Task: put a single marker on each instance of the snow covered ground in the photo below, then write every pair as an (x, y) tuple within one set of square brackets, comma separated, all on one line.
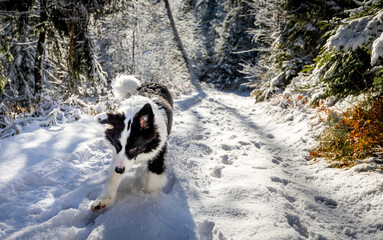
[(236, 170)]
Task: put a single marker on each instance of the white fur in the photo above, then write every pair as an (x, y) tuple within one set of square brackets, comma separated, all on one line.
[(108, 194), (155, 182), (125, 85), (121, 160)]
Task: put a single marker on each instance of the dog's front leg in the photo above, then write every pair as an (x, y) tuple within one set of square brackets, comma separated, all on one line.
[(156, 178), (109, 192)]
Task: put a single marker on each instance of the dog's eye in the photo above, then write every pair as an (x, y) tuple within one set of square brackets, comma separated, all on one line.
[(132, 150)]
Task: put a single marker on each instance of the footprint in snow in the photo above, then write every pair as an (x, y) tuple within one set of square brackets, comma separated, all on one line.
[(272, 189), (326, 201), (225, 160), (289, 198), (233, 136), (276, 160), (296, 224), (260, 168), (256, 144), (226, 147), (205, 229), (197, 137), (217, 172), (280, 180), (243, 143), (271, 136)]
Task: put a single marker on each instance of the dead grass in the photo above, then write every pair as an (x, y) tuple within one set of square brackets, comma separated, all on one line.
[(355, 134)]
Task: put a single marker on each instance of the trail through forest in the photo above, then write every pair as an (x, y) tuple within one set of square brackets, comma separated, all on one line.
[(236, 170)]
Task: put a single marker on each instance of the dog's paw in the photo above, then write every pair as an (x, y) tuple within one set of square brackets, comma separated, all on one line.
[(100, 203)]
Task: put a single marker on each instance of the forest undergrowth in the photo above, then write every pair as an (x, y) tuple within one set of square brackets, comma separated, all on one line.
[(351, 135)]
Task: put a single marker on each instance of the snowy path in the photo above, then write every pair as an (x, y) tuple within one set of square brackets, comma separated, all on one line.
[(236, 170)]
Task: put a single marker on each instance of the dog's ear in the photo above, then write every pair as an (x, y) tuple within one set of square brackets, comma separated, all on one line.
[(112, 118), (146, 117)]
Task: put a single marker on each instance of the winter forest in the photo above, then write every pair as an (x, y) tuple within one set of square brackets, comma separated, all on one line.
[(278, 118)]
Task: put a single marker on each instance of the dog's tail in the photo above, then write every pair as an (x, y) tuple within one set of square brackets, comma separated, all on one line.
[(125, 85)]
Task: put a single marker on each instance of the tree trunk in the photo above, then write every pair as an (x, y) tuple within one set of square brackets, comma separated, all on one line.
[(39, 52), (134, 42), (70, 54), (177, 38), (38, 61), (70, 60)]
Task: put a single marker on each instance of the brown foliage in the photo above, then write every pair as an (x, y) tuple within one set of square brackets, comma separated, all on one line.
[(354, 134)]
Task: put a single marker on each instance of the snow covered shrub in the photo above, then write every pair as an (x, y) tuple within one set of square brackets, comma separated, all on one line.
[(345, 73), (303, 23), (350, 63), (301, 35), (51, 112), (354, 134)]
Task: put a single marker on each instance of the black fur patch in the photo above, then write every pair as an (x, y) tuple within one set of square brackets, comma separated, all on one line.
[(142, 139), (157, 165), (113, 133), (129, 123), (155, 90)]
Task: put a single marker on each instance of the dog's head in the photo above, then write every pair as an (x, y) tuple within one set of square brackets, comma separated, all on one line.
[(131, 133)]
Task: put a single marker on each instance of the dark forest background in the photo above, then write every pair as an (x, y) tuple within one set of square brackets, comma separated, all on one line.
[(55, 49)]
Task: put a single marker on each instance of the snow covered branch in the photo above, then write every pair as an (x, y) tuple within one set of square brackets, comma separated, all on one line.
[(365, 31)]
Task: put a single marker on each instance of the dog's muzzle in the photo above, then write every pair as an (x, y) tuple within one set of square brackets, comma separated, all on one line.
[(120, 170)]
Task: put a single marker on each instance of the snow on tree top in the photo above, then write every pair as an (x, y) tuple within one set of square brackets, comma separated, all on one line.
[(365, 31)]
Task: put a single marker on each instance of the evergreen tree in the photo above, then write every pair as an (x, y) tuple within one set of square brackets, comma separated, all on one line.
[(18, 65), (48, 46), (268, 19), (224, 26), (301, 35), (300, 38), (208, 12), (350, 63)]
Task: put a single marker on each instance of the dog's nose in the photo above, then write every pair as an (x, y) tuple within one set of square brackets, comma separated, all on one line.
[(120, 170)]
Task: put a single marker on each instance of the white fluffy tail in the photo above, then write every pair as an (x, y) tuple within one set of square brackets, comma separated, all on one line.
[(125, 85)]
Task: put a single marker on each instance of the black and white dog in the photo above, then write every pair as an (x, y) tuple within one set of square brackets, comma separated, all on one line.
[(137, 132)]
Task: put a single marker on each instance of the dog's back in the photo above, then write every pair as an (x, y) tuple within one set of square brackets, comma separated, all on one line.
[(155, 90), (161, 96)]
